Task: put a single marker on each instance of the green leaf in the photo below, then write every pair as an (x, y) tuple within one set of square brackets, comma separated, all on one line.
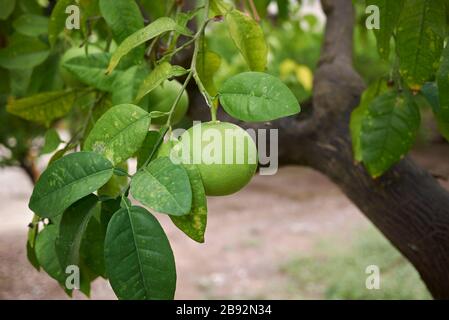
[(23, 53), (86, 277), (100, 108), (31, 25), (46, 253), (46, 76), (283, 8), (248, 38), (117, 184), (157, 76), (147, 147), (139, 259), (194, 224), (207, 64), (67, 180), (43, 107), (71, 230), (47, 256), (31, 243), (127, 84), (30, 6), (124, 18), (20, 80), (152, 30), (182, 19), (57, 20), (6, 8), (92, 245), (158, 114), (419, 41), (164, 187), (119, 133), (155, 9), (31, 256), (388, 131), (219, 7), (389, 12), (443, 86), (91, 70), (108, 208), (52, 141), (359, 113), (256, 96)]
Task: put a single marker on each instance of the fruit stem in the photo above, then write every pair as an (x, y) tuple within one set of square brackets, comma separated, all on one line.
[(213, 110)]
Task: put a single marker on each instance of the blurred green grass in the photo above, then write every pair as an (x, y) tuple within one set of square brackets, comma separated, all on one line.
[(336, 270)]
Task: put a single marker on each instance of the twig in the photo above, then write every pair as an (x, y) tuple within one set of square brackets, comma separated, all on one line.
[(254, 10)]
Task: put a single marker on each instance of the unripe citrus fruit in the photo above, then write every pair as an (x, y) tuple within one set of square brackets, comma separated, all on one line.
[(224, 153), (162, 98)]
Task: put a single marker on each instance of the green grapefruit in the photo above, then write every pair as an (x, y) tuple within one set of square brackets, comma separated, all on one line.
[(224, 153)]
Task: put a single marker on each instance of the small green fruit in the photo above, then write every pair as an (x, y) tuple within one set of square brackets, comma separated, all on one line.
[(162, 98), (226, 165)]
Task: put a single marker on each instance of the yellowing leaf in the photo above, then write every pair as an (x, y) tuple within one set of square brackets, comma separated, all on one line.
[(194, 223), (119, 133), (302, 73), (304, 76), (43, 107), (123, 18), (287, 67), (208, 63)]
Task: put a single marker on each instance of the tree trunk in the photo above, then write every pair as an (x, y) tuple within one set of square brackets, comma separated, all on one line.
[(406, 204)]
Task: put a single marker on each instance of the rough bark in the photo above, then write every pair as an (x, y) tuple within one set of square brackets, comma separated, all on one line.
[(406, 204)]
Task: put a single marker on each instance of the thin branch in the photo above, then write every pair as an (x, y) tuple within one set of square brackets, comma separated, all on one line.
[(254, 10)]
